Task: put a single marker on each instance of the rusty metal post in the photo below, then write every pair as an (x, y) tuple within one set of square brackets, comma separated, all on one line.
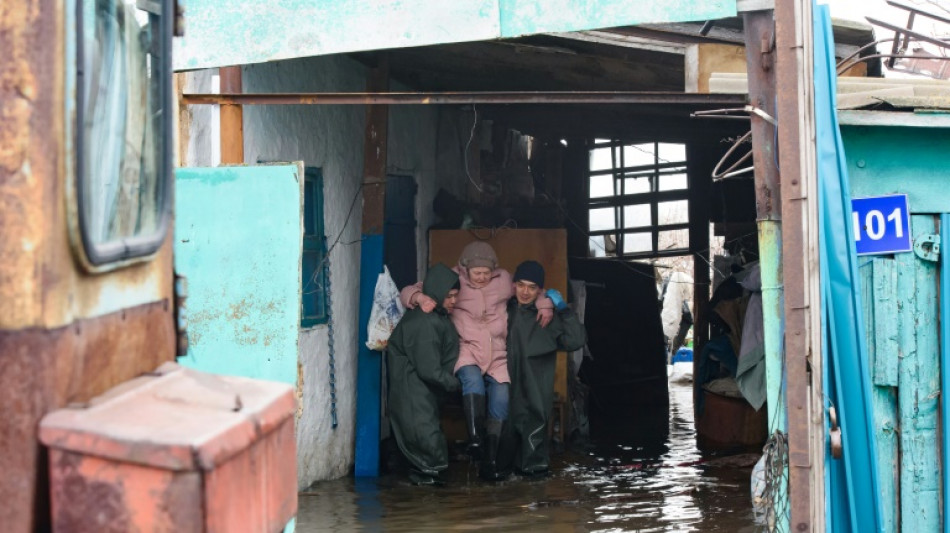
[(232, 119), (795, 109), (760, 60), (369, 363)]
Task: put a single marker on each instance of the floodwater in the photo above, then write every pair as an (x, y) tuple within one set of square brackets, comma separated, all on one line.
[(609, 488)]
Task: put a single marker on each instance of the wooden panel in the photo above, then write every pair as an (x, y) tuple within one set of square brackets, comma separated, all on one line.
[(704, 59), (232, 119), (919, 387), (546, 246), (879, 286)]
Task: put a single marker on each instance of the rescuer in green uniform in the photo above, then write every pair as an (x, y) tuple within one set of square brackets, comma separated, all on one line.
[(422, 353), (532, 356)]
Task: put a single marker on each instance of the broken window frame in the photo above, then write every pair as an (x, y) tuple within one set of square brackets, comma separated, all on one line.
[(655, 172)]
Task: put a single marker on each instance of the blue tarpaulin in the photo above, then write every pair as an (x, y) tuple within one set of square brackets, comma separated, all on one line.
[(852, 499)]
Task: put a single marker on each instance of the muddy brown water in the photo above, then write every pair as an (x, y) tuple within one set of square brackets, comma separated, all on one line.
[(609, 488)]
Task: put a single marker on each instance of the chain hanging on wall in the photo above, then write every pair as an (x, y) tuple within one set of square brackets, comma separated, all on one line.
[(329, 307)]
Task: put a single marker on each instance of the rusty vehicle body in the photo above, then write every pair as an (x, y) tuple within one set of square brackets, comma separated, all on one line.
[(69, 328)]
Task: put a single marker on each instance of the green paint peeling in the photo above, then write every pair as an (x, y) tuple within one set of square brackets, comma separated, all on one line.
[(254, 31)]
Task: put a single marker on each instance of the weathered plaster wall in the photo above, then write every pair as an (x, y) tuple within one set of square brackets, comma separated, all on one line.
[(330, 138)]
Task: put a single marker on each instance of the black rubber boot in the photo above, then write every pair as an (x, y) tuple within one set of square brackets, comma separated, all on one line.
[(489, 470), (473, 406), (418, 477)]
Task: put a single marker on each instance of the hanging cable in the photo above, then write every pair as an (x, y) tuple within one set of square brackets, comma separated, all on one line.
[(465, 152)]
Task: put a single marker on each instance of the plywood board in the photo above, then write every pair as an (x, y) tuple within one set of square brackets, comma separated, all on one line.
[(546, 246)]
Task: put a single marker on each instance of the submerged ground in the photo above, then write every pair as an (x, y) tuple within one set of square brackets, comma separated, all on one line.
[(610, 487)]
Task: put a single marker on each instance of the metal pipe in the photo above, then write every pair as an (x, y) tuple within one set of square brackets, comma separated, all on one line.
[(504, 97), (773, 300)]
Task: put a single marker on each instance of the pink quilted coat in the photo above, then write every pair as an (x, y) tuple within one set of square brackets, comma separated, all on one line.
[(481, 319)]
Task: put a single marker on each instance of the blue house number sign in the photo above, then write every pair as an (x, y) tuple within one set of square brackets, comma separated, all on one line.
[(881, 224)]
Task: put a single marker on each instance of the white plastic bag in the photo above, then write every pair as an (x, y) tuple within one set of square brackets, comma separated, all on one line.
[(386, 312), (760, 504)]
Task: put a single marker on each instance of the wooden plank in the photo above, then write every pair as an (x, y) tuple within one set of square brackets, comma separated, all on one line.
[(879, 285), (374, 153), (232, 119), (918, 389), (883, 344), (704, 59)]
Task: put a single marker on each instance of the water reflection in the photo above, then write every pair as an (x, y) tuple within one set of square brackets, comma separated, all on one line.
[(613, 487)]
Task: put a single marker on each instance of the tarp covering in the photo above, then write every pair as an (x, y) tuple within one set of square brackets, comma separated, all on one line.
[(852, 480), (254, 31)]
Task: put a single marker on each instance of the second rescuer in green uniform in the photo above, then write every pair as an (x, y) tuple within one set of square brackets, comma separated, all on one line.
[(422, 353), (532, 356)]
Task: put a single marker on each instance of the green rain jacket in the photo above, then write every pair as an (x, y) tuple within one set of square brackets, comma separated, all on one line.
[(422, 352), (532, 357)]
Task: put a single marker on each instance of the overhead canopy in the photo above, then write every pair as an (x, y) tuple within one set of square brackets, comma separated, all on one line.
[(254, 31)]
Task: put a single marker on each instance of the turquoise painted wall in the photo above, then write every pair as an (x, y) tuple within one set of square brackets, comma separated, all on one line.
[(238, 241), (255, 31), (900, 159), (901, 311)]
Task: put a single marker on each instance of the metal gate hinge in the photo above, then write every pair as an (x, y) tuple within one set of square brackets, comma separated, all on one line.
[(927, 247)]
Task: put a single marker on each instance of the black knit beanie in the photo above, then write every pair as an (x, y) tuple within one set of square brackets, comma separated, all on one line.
[(530, 271)]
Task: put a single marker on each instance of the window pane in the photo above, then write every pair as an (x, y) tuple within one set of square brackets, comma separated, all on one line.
[(308, 219), (602, 219), (673, 212), (600, 159), (671, 152), (669, 240), (121, 186), (637, 155), (637, 242), (673, 182), (636, 216), (597, 246), (601, 186), (313, 285), (636, 185)]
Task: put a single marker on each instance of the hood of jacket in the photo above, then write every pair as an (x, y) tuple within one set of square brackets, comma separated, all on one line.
[(439, 281)]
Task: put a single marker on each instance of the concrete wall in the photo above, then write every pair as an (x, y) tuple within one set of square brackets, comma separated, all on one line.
[(331, 137)]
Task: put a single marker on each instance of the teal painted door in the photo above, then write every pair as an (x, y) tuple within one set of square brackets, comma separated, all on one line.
[(238, 241), (902, 301)]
